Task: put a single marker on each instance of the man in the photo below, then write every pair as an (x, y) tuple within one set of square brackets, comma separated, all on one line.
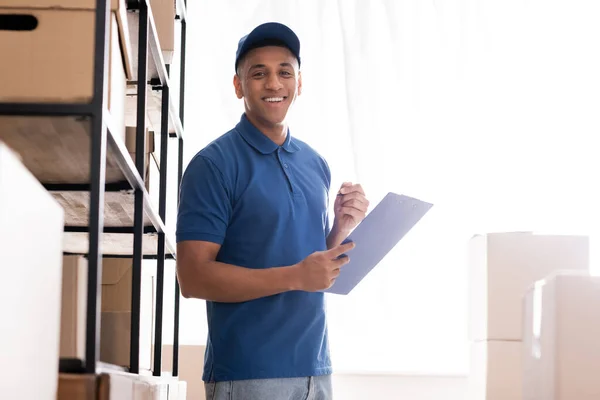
[(253, 237)]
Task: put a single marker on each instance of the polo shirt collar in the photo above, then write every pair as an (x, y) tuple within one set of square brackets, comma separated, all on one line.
[(260, 141)]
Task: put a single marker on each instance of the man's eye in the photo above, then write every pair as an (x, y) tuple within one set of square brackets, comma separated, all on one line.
[(286, 73), (258, 74)]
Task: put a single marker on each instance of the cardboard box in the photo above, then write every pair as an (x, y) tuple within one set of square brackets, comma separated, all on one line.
[(495, 370), (52, 60), (117, 7), (116, 313), (152, 391), (31, 234), (191, 365), (73, 310), (164, 17), (501, 268), (152, 171), (117, 276), (78, 387), (562, 337), (105, 386), (130, 140), (178, 390), (154, 387)]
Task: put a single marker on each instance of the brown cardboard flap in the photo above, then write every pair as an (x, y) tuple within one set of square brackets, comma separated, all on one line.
[(157, 149), (116, 284), (105, 386), (115, 335), (73, 307), (130, 138), (115, 328), (115, 269), (164, 18), (77, 387), (125, 39)]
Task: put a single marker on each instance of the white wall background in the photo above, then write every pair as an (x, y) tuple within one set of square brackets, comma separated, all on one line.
[(489, 109)]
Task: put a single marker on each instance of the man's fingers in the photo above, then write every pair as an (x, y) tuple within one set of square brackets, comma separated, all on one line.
[(357, 204), (357, 214), (345, 189), (339, 263), (354, 196), (343, 186), (339, 250)]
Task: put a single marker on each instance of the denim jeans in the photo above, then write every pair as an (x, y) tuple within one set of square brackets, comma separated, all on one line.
[(310, 388)]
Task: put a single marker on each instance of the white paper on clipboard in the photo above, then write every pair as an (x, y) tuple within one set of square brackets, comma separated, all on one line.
[(376, 235)]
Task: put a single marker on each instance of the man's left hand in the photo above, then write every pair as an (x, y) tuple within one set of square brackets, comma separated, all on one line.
[(350, 207)]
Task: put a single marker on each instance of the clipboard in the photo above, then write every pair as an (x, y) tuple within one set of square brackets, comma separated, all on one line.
[(376, 235)]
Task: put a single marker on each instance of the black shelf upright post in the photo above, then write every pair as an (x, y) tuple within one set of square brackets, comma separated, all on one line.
[(162, 211), (179, 176), (97, 180), (140, 149)]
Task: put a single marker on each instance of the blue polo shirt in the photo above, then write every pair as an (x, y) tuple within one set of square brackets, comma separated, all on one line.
[(266, 205)]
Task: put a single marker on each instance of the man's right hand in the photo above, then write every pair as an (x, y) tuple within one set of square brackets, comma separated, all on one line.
[(319, 270)]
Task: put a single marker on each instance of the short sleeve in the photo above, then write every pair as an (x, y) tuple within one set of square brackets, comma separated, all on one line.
[(204, 203)]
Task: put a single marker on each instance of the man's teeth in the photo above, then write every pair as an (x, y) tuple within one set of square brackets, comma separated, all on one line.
[(274, 99)]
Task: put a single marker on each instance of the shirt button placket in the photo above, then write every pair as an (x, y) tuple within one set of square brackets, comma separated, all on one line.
[(286, 167)]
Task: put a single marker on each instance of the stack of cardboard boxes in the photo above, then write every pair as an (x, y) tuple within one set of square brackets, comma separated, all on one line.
[(561, 337), (115, 311), (117, 274), (502, 267), (50, 48)]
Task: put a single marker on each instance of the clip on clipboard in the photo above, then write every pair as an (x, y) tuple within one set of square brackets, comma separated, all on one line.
[(376, 235)]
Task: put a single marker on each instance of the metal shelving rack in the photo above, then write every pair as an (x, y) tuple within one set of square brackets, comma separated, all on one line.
[(103, 142)]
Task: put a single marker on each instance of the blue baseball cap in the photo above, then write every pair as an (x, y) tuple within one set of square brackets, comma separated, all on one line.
[(268, 34)]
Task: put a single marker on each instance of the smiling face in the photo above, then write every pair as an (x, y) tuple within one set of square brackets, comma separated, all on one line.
[(269, 81)]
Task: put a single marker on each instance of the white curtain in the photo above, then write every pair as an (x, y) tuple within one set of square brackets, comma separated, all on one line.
[(487, 108)]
